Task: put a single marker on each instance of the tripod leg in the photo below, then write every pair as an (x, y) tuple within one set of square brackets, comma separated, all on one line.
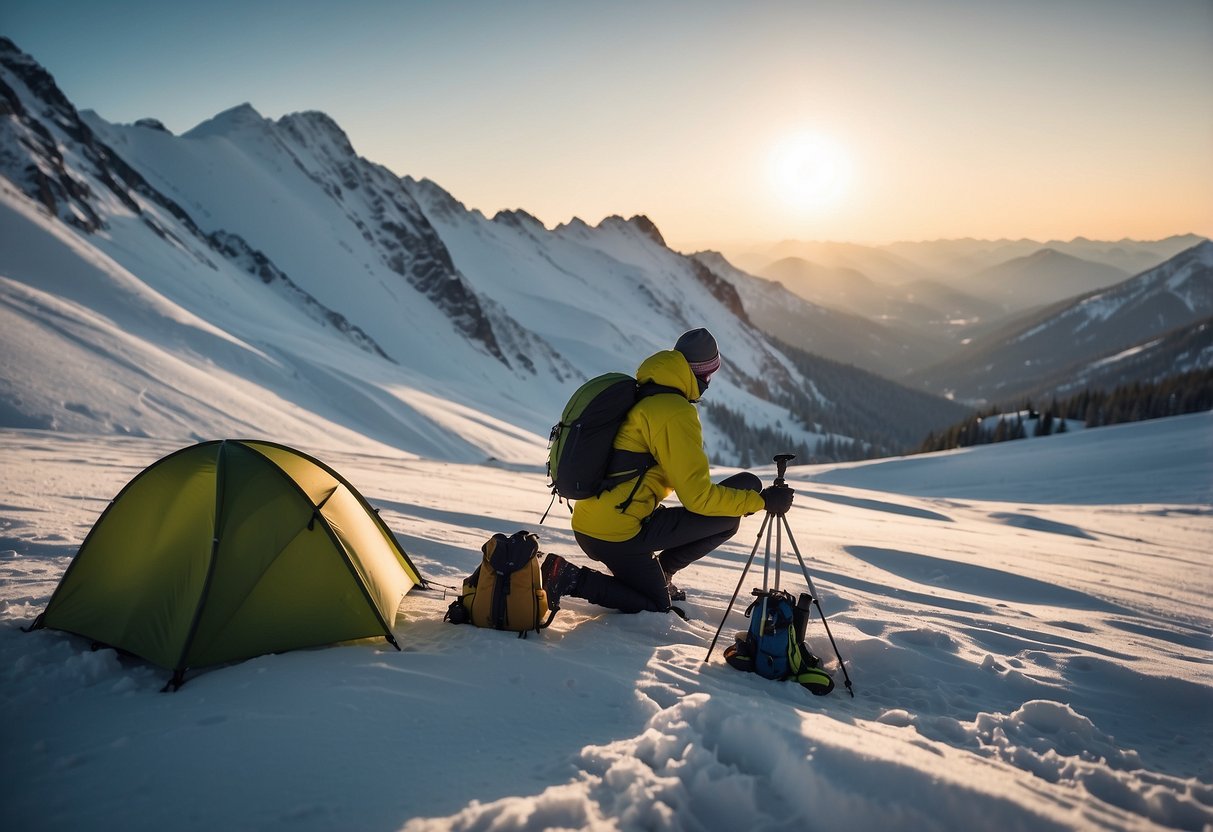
[(779, 547), (766, 568), (813, 592), (766, 564), (804, 569), (765, 521)]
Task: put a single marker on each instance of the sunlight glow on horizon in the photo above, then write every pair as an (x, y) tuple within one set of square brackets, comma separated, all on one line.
[(916, 121)]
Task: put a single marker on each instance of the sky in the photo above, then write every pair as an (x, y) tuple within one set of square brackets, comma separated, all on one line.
[(726, 123)]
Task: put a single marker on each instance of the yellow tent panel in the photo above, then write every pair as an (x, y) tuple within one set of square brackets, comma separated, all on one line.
[(230, 549)]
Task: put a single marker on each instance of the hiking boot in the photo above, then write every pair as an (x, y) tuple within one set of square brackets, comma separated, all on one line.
[(676, 594), (560, 578)]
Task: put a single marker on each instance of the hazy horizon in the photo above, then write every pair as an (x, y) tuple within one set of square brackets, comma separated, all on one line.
[(873, 122), (770, 243)]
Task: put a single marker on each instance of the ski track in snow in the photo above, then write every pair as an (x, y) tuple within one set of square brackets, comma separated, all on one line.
[(1035, 663)]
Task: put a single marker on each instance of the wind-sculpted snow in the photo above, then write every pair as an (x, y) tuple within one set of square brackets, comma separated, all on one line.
[(1019, 664)]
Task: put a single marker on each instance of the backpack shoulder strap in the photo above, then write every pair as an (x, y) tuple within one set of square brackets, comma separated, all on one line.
[(652, 388), (635, 463)]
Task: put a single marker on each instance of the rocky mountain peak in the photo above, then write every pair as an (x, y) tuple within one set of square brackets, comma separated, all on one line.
[(519, 219), (639, 222), (313, 126), (153, 124), (236, 119), (33, 76)]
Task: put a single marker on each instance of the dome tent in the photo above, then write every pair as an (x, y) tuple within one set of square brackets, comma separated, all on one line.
[(229, 549)]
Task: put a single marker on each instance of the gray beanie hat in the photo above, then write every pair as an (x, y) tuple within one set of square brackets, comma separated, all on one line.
[(700, 350)]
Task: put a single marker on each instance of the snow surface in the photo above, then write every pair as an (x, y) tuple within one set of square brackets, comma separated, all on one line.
[(1027, 627)]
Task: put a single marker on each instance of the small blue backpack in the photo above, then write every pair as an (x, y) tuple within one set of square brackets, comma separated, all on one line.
[(774, 646)]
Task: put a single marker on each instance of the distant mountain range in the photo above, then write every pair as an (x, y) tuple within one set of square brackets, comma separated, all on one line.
[(833, 330), (1153, 323), (1042, 277), (988, 306), (960, 258), (949, 260), (957, 287), (924, 307)]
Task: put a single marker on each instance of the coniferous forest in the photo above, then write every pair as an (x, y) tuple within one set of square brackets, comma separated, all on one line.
[(1189, 392), (858, 414)]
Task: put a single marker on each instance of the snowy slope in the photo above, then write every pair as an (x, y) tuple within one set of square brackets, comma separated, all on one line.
[(1027, 630), (413, 327), (343, 227), (88, 347), (1182, 350)]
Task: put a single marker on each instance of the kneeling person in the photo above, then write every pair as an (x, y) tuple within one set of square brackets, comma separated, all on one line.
[(642, 543)]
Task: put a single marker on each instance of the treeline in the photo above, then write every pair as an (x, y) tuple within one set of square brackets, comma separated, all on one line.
[(876, 416), (1190, 392), (857, 415), (754, 445)]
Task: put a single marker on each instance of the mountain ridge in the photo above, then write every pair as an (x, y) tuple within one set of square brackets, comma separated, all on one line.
[(1071, 335), (473, 327), (448, 334)]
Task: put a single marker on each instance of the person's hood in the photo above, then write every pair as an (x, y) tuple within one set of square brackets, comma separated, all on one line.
[(669, 368)]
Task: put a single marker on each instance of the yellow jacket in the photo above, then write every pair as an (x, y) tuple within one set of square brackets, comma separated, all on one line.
[(666, 426)]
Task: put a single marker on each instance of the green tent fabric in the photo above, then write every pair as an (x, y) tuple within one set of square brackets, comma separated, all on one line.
[(230, 549)]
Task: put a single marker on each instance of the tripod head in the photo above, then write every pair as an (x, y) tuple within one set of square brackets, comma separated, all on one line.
[(781, 466)]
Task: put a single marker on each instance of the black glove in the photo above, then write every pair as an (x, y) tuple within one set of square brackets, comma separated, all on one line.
[(778, 499)]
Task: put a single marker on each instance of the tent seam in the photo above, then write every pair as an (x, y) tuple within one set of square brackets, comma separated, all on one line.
[(328, 529), (370, 510), (84, 543), (210, 569)]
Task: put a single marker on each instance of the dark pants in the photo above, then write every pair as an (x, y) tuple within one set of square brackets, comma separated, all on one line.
[(639, 577)]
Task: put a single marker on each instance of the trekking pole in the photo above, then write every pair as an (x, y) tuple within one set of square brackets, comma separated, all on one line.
[(758, 539), (813, 595)]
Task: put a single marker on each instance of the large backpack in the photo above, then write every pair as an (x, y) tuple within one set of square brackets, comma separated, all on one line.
[(774, 646), (506, 591), (582, 461)]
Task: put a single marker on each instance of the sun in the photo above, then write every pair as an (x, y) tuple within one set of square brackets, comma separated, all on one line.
[(810, 171)]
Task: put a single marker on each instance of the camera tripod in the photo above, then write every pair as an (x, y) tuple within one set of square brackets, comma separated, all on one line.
[(779, 526)]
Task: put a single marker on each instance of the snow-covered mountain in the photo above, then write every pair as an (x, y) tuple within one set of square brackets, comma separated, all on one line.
[(1072, 340), (1182, 350), (310, 292)]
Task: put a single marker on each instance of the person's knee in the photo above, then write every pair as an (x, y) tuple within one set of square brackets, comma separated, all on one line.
[(744, 480)]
